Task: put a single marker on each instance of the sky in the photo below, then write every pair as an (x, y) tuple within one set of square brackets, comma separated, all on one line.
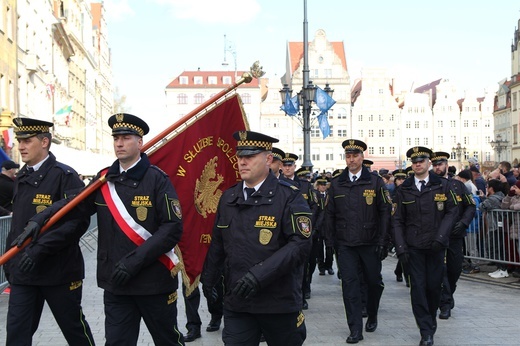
[(154, 41)]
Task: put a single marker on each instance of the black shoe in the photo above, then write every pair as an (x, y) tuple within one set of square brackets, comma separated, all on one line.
[(445, 313), (330, 271), (355, 337), (214, 324), (193, 334), (398, 278), (307, 295), (364, 312), (322, 271), (426, 341), (371, 325), (305, 305)]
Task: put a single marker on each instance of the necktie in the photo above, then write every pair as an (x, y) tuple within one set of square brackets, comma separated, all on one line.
[(30, 170), (354, 178), (423, 184), (249, 191)]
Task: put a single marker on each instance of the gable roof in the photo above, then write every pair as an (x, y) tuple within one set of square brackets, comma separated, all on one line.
[(205, 75)]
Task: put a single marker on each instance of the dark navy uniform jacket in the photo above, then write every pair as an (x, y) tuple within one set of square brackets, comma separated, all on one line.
[(422, 217), (143, 186), (269, 235), (57, 253), (357, 213), (465, 204)]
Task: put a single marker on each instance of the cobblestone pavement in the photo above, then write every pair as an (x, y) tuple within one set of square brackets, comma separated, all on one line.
[(487, 312)]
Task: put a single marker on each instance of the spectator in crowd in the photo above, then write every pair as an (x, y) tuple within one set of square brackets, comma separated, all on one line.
[(495, 236), (467, 178), (478, 180), (473, 162), (516, 172), (452, 170), (276, 166), (9, 169), (505, 169), (512, 202)]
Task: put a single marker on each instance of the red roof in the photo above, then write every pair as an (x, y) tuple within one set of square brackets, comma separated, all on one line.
[(296, 54), (219, 84)]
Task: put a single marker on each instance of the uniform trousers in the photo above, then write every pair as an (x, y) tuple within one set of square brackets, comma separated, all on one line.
[(244, 329), (454, 259), (25, 310), (325, 255), (426, 271), (192, 303), (123, 317), (350, 259), (310, 266)]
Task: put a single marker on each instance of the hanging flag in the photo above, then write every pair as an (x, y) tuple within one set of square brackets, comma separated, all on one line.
[(3, 156), (323, 122), (201, 162), (323, 100), (62, 116), (8, 137), (291, 106)]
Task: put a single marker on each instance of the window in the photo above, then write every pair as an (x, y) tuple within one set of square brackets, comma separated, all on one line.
[(360, 133), (381, 91), (183, 80), (182, 99), (416, 124), (440, 139), (408, 141), (370, 133), (440, 123), (488, 156), (380, 117), (475, 123), (487, 139), (371, 150), (453, 123), (425, 125), (466, 123), (475, 155), (342, 114), (381, 133), (391, 117), (466, 140), (342, 133), (329, 157), (226, 80), (331, 134), (360, 117), (453, 139), (212, 80), (392, 133), (328, 73), (315, 131), (416, 141), (453, 156), (371, 117), (197, 80), (408, 124), (515, 133), (315, 157), (425, 141), (392, 150), (381, 150), (198, 98), (246, 98)]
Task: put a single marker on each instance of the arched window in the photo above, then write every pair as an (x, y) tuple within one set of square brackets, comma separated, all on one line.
[(246, 98), (198, 98), (182, 99)]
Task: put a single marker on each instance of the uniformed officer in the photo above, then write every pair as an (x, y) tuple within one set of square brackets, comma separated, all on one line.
[(368, 164), (261, 238), (399, 176), (139, 223), (357, 222), (424, 217), (308, 193), (51, 268), (454, 253), (325, 253), (276, 166)]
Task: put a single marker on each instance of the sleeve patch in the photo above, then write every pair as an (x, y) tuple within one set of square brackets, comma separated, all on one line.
[(176, 207), (303, 223)]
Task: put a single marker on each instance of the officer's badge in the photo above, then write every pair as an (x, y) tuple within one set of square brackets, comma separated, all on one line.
[(265, 236), (369, 196), (304, 225), (440, 206), (40, 208), (387, 196), (172, 298), (142, 213), (176, 207)]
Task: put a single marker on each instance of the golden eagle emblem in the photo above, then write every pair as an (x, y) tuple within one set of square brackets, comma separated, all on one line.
[(207, 193)]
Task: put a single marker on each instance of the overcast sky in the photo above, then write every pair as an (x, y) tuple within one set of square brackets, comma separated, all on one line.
[(153, 41)]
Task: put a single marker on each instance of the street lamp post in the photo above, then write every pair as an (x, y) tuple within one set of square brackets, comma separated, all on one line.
[(306, 96), (459, 150), (499, 144)]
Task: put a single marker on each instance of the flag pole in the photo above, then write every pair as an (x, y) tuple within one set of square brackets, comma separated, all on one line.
[(247, 77)]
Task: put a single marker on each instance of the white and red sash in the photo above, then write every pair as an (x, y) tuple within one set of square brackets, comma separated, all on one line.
[(134, 231)]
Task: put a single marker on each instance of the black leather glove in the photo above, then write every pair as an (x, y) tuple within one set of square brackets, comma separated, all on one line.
[(211, 293), (247, 286), (436, 246), (404, 258), (32, 229), (459, 229), (121, 275), (26, 263), (382, 252)]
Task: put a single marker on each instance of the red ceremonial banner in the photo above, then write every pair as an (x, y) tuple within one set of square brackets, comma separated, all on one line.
[(201, 162)]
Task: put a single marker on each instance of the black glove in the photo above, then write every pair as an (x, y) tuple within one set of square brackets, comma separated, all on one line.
[(247, 286), (121, 275), (26, 263), (404, 258), (436, 246), (382, 252), (211, 293), (459, 229), (32, 229)]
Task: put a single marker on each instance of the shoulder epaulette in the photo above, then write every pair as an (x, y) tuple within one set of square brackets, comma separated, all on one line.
[(286, 183), (66, 169), (160, 170)]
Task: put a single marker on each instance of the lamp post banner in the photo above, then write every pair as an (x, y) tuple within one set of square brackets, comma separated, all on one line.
[(201, 162)]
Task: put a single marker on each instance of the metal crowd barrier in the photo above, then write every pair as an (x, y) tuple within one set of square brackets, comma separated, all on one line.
[(493, 236), (5, 226)]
